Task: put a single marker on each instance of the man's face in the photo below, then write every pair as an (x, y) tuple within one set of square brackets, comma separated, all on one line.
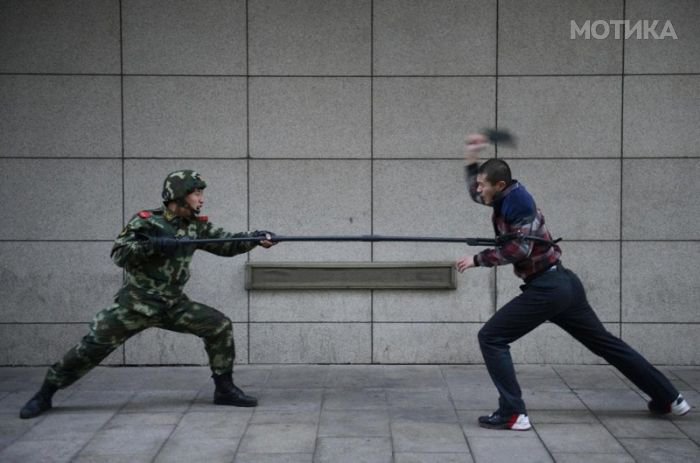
[(488, 190), (195, 200)]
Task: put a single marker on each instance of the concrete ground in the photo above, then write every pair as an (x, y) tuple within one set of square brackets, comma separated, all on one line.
[(344, 414)]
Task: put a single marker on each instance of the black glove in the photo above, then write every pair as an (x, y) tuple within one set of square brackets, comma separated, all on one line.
[(164, 245), (264, 233)]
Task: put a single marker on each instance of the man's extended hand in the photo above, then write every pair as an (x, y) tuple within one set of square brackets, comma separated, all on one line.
[(465, 263), (474, 143)]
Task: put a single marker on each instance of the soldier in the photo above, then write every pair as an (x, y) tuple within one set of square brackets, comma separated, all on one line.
[(157, 268)]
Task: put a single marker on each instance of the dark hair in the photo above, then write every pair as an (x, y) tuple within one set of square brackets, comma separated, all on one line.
[(496, 170)]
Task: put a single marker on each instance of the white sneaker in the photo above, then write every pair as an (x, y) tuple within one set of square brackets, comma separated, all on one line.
[(678, 407), (515, 422)]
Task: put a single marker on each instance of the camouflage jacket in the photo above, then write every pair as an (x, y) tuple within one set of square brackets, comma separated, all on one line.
[(153, 273)]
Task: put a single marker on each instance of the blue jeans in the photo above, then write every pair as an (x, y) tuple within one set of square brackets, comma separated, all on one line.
[(559, 297)]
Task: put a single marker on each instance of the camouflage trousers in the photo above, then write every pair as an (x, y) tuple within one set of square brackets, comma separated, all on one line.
[(133, 313)]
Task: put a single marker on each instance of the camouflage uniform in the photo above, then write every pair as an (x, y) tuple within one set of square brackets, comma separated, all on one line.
[(152, 295)]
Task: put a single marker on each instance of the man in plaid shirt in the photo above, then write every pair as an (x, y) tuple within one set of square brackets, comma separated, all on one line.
[(550, 293)]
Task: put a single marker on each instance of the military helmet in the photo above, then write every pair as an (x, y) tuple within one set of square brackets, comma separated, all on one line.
[(180, 183)]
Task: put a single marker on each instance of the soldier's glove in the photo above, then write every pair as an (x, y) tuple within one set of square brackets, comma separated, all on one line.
[(263, 233), (163, 245)]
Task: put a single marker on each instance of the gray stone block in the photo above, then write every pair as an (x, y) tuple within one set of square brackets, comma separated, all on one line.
[(412, 376), (674, 97), (592, 458), (52, 116), (161, 347), (552, 400), (580, 198), (578, 438), (596, 263), (615, 400), (409, 436), (86, 403), (309, 37), (310, 343), (274, 457), (281, 401), (535, 38), (141, 443), (78, 36), (66, 426), (428, 38), (426, 343), (310, 306), (354, 423), (681, 450), (355, 376), (561, 116), (298, 377), (279, 438), (664, 344), (641, 427), (42, 344), (309, 416), (216, 281), (550, 344), (409, 396), (127, 380), (650, 55), (205, 449), (181, 37), (35, 451), (417, 197), (354, 399), (471, 303), (353, 449), (311, 197), (310, 117), (80, 203), (659, 282), (160, 401), (589, 377), (657, 203), (433, 458), (540, 378), (185, 117), (429, 117), (508, 449), (56, 282)]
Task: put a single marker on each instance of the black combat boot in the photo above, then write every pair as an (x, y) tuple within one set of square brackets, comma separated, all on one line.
[(227, 393), (39, 403)]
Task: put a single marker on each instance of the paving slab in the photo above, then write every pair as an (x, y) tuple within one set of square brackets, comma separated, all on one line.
[(662, 450), (279, 438), (358, 413), (433, 458), (354, 423), (504, 449), (353, 450), (415, 436)]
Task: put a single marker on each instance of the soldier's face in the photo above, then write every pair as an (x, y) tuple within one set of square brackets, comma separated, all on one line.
[(195, 200)]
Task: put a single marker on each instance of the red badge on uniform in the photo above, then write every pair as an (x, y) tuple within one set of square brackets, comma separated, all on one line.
[(144, 214), (203, 218)]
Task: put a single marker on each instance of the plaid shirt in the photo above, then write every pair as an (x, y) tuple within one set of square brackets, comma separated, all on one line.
[(514, 211)]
